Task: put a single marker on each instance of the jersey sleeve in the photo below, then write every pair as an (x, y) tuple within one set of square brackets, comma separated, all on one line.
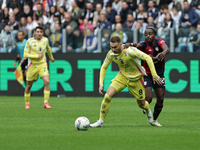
[(161, 42), (27, 51), (135, 53), (144, 45), (104, 67), (48, 48)]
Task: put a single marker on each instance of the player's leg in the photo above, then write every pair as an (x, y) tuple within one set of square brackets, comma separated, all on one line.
[(137, 89), (116, 86), (27, 94), (44, 74), (31, 76), (159, 103), (45, 79)]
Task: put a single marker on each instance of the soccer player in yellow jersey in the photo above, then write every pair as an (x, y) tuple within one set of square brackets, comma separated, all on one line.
[(37, 64), (130, 75)]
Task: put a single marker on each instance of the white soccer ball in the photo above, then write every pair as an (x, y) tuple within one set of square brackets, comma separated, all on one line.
[(82, 123)]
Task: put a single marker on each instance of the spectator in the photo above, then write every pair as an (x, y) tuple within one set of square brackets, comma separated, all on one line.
[(56, 19), (85, 26), (152, 11), (13, 3), (141, 13), (47, 32), (129, 22), (90, 42), (75, 11), (163, 10), (191, 44), (163, 2), (176, 4), (18, 14), (118, 19), (106, 40), (6, 40), (27, 11), (70, 37), (62, 14), (68, 4), (198, 31), (110, 13), (26, 2), (35, 5), (119, 32), (77, 40), (39, 13), (81, 4), (69, 22), (189, 17), (43, 22), (117, 6), (22, 24), (104, 24), (125, 10), (150, 20), (5, 15), (141, 21), (97, 13), (31, 24), (55, 38), (132, 4), (168, 21), (89, 12), (196, 5), (175, 16), (53, 10), (13, 23)]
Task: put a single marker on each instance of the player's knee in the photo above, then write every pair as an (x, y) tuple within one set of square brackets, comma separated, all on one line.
[(46, 82), (107, 98), (149, 98)]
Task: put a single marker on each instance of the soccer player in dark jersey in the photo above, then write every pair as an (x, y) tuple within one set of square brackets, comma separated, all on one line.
[(157, 49)]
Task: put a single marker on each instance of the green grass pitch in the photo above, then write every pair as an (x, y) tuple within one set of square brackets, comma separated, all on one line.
[(125, 127)]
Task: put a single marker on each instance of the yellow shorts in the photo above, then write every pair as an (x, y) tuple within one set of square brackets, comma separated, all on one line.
[(33, 72), (136, 88)]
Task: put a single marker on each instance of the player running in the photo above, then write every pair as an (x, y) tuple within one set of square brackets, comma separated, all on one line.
[(37, 65), (157, 49), (130, 75)]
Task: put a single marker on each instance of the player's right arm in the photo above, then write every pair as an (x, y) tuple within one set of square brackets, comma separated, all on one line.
[(103, 69), (27, 51)]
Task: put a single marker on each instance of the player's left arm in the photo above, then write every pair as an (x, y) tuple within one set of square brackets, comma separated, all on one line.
[(48, 48), (165, 51)]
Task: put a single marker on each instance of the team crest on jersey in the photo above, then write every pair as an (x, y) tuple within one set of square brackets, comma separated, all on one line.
[(40, 49), (116, 58), (156, 49)]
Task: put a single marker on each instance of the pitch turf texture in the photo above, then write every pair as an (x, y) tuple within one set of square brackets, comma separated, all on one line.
[(125, 128)]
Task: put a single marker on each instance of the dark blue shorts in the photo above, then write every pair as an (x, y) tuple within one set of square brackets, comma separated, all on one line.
[(148, 82)]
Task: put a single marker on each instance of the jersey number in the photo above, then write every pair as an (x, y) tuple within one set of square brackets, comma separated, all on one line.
[(140, 92)]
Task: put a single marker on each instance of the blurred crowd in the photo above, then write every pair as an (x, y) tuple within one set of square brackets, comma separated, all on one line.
[(88, 22)]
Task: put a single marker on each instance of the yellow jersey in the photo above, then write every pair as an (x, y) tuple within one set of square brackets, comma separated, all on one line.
[(129, 64), (35, 47)]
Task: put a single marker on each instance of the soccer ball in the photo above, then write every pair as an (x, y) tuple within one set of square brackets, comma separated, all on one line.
[(82, 123)]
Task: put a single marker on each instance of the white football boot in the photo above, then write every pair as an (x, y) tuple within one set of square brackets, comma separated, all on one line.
[(155, 123), (99, 123), (149, 116)]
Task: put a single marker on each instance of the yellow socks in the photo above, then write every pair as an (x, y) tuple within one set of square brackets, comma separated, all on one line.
[(146, 106), (105, 106), (27, 97), (46, 96)]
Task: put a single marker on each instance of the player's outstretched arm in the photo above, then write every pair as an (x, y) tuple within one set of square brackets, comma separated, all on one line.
[(48, 48), (161, 56)]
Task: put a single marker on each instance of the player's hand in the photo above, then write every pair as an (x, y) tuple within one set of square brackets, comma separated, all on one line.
[(100, 89), (157, 80), (14, 64), (160, 56), (40, 56), (52, 60)]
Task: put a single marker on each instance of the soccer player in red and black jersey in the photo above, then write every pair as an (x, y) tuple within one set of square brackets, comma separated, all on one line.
[(157, 49)]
